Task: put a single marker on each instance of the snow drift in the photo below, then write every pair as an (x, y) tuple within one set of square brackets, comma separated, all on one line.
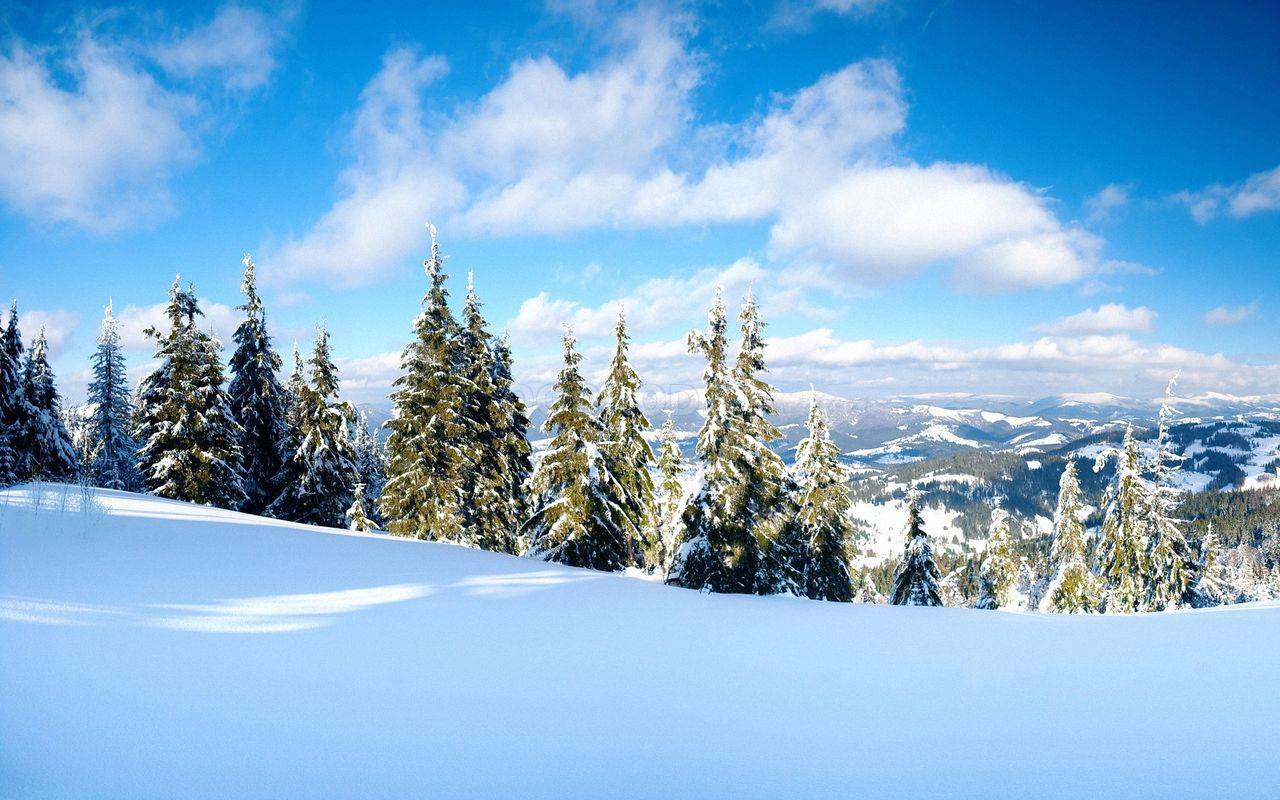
[(156, 649)]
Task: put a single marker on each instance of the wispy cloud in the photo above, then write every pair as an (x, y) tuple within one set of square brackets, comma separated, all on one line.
[(1230, 315), (1107, 202), (89, 136), (1258, 193)]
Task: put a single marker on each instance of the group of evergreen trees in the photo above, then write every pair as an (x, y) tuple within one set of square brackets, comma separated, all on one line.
[(457, 464), (34, 442)]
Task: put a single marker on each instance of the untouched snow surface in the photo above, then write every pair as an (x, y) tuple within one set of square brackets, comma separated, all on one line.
[(151, 649)]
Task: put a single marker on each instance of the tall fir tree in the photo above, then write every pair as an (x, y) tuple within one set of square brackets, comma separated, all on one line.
[(1000, 563), (488, 516), (1073, 589), (423, 493), (10, 396), (623, 426), (42, 443), (189, 439), (768, 493), (916, 581), (717, 551), (1124, 561), (257, 401), (324, 459), (670, 493), (1171, 563), (512, 428), (574, 520), (823, 514), (113, 453)]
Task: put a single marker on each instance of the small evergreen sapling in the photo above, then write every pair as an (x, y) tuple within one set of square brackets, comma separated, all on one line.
[(1000, 564), (1074, 589), (916, 581)]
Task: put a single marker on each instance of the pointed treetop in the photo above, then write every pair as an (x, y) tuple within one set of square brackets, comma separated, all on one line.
[(433, 263)]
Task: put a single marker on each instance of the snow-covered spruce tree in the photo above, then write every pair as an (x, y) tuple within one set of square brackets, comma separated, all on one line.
[(357, 518), (916, 581), (257, 401), (489, 520), (670, 495), (1000, 563), (113, 454), (864, 588), (717, 551), (188, 439), (573, 520), (766, 501), (43, 445), (371, 463), (1211, 584), (10, 396), (1074, 589), (324, 459), (512, 427), (623, 426), (1171, 564), (1123, 564), (422, 495), (823, 513)]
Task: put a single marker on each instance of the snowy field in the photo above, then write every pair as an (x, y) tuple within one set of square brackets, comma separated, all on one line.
[(152, 649)]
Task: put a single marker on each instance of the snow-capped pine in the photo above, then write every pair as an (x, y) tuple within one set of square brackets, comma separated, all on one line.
[(1171, 564), (574, 520), (422, 495), (357, 518), (823, 515), (1000, 563), (670, 494), (257, 401), (511, 428), (324, 459), (10, 393), (42, 443), (371, 463), (1073, 589), (189, 440), (1211, 586), (916, 581), (1123, 564), (488, 516), (113, 453), (623, 426)]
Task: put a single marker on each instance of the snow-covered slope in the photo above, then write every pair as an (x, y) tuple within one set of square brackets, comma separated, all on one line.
[(151, 649)]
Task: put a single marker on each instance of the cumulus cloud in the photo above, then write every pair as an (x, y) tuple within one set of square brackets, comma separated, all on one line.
[(620, 145), (89, 137), (1230, 315), (1107, 318), (1258, 193), (58, 326)]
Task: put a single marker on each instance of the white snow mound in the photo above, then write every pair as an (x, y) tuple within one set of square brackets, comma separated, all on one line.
[(153, 649)]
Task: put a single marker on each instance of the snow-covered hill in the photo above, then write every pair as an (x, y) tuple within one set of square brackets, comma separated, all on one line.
[(152, 649)]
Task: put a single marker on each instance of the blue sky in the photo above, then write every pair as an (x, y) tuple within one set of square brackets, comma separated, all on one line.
[(996, 197)]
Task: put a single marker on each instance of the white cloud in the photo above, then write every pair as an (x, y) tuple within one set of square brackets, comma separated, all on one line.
[(58, 326), (1107, 318), (1258, 193), (236, 46), (619, 145), (219, 318), (1230, 315), (89, 137), (1107, 202), (92, 145)]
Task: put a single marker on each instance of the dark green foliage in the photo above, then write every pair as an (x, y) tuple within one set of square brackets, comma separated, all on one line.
[(916, 581), (258, 402)]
